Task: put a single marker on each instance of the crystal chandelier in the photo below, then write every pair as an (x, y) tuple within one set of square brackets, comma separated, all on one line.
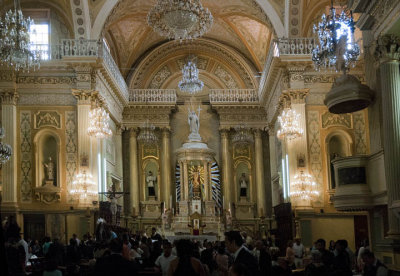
[(190, 82), (15, 47), (147, 135), (337, 47), (180, 19), (290, 125), (84, 186), (5, 149), (242, 135), (99, 123), (303, 187)]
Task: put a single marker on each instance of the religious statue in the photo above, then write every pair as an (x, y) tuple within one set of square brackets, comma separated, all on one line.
[(151, 180), (167, 218), (243, 185), (196, 183), (194, 125), (49, 169)]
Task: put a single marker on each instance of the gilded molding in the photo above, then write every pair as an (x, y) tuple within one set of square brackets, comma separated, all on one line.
[(330, 120), (26, 156)]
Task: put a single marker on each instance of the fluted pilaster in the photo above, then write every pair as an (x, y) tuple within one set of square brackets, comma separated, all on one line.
[(388, 52), (259, 164), (134, 172), (9, 122), (166, 167), (226, 169)]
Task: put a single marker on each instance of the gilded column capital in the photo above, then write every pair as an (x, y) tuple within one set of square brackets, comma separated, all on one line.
[(9, 96), (257, 133), (166, 132), (224, 133), (387, 48), (85, 96), (119, 129), (296, 96), (133, 132)]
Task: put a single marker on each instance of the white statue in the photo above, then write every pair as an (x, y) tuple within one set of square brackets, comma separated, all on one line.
[(150, 180), (49, 168), (243, 185), (194, 125)]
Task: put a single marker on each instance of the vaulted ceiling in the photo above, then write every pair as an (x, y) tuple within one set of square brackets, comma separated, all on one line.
[(239, 24)]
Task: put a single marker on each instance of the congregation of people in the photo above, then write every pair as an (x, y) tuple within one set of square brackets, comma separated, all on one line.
[(110, 252)]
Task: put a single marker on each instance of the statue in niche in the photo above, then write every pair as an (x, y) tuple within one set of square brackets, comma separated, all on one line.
[(194, 124), (49, 168), (151, 180), (196, 183), (243, 185)]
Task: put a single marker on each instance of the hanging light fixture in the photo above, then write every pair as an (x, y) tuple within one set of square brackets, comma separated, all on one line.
[(190, 82), (83, 186), (180, 19), (289, 121), (242, 135), (15, 46), (337, 47), (5, 149), (303, 187), (147, 134), (99, 123)]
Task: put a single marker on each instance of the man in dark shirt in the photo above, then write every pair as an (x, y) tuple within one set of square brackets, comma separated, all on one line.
[(234, 243), (326, 255), (115, 264)]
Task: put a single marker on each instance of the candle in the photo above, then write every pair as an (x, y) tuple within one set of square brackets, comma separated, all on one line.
[(223, 202), (170, 201)]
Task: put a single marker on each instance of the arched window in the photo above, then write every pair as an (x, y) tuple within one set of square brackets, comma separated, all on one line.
[(338, 144)]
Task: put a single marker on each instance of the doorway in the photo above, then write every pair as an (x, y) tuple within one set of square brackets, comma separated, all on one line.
[(34, 226)]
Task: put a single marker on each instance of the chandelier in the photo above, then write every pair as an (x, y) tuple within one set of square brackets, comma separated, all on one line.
[(190, 81), (5, 149), (147, 135), (337, 47), (15, 46), (303, 187), (290, 125), (180, 19), (242, 135), (99, 123), (84, 186)]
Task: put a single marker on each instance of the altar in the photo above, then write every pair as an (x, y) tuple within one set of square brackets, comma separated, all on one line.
[(200, 238)]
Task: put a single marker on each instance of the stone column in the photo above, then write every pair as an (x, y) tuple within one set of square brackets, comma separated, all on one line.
[(226, 169), (10, 170), (166, 167), (259, 169), (134, 172), (207, 188), (388, 51), (185, 183)]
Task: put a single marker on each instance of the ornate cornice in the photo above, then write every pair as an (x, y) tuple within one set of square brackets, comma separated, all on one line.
[(8, 97), (388, 48), (251, 116), (135, 115)]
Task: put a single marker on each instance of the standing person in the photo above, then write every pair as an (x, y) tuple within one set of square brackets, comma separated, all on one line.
[(264, 258), (316, 267), (363, 248), (185, 264), (341, 262), (46, 245), (162, 263), (24, 244), (290, 255), (299, 251), (155, 235), (74, 236), (326, 255), (235, 245), (332, 246), (373, 267), (222, 259)]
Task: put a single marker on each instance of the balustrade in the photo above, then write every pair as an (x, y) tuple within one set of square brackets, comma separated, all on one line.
[(233, 96), (152, 96)]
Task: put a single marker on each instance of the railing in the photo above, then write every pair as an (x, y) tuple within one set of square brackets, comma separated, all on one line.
[(76, 48), (234, 96), (294, 46), (152, 96)]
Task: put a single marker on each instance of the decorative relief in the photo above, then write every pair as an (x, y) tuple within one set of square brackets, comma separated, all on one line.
[(360, 133), (160, 77), (330, 119), (45, 99), (201, 63), (241, 150), (322, 78), (149, 151), (226, 78), (46, 80), (26, 156), (314, 143), (71, 146), (47, 119)]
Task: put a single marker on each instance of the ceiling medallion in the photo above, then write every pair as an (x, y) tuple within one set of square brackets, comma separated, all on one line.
[(15, 46), (99, 123), (289, 121), (303, 187), (180, 19), (190, 82)]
